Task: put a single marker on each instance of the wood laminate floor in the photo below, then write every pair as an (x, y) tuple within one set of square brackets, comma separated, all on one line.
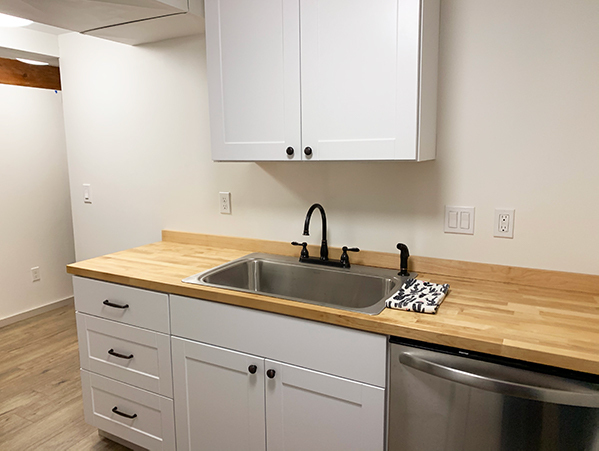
[(40, 391)]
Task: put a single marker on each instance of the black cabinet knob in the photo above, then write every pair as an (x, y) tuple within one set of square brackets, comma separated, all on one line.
[(271, 374), (289, 151), (252, 369), (308, 151)]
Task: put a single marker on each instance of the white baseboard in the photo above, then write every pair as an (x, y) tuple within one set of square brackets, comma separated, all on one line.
[(36, 311)]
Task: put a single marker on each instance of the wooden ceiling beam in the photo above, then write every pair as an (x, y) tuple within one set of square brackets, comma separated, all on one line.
[(13, 72)]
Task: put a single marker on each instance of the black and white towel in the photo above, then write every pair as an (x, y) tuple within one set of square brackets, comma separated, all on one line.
[(418, 296)]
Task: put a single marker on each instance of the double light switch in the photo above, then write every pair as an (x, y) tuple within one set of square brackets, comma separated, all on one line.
[(459, 220)]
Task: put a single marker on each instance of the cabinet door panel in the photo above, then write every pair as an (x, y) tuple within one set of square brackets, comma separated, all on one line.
[(150, 366), (307, 410), (141, 308), (360, 78), (152, 426), (219, 405), (253, 74)]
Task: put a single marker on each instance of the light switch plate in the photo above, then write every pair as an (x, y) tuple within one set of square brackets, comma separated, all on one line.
[(87, 193), (459, 220)]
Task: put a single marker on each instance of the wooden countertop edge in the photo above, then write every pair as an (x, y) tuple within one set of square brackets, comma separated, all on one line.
[(377, 324), (538, 278)]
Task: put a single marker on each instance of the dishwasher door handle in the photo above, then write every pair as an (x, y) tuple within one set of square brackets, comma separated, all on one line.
[(494, 380)]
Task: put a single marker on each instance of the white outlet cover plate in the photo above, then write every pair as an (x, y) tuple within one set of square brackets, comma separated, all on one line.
[(497, 232), (459, 220), (224, 202)]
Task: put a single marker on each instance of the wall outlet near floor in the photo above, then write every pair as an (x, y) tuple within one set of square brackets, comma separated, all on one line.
[(225, 203), (35, 274), (459, 220), (504, 223)]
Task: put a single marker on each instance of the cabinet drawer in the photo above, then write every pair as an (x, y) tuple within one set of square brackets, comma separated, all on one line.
[(143, 308), (152, 425), (129, 354), (349, 353)]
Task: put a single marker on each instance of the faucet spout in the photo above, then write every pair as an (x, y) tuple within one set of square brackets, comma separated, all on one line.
[(324, 250)]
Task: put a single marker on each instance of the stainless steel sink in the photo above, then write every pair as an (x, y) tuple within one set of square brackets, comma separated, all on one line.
[(359, 288)]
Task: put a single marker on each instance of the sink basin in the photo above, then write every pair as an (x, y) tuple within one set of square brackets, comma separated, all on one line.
[(359, 288)]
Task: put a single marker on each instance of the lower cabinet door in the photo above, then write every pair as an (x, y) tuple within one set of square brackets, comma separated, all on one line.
[(219, 398), (311, 411), (138, 416)]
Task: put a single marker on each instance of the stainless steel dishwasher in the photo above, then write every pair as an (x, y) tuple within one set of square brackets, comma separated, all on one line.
[(447, 399)]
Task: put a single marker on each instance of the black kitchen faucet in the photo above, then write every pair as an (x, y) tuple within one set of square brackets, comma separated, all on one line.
[(324, 249)]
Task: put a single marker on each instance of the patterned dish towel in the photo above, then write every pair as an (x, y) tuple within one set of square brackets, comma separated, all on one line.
[(418, 296)]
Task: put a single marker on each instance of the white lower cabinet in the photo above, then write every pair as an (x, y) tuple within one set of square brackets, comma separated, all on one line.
[(242, 379), (129, 354), (311, 411), (237, 400), (125, 356), (138, 416), (219, 401), (228, 400)]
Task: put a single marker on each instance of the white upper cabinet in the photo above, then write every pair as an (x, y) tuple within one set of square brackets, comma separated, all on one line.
[(331, 79), (254, 78)]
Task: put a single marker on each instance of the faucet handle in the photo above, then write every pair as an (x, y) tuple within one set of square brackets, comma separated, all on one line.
[(344, 259), (304, 253)]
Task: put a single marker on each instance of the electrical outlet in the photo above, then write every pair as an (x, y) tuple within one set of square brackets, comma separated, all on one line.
[(225, 203), (504, 223), (459, 220), (35, 274)]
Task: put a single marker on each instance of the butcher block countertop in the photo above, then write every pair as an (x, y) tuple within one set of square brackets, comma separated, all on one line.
[(513, 312)]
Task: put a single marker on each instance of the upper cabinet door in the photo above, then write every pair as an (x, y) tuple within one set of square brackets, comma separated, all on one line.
[(254, 79), (361, 75)]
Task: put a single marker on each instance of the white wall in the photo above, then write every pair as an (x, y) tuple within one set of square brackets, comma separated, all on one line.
[(30, 41), (35, 225), (517, 128)]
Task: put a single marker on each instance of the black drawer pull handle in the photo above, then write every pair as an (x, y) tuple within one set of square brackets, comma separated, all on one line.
[(252, 369), (120, 356), (271, 374), (126, 415), (110, 304)]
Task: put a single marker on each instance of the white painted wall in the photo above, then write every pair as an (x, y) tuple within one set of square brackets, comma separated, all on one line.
[(27, 40), (35, 225), (517, 128)]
